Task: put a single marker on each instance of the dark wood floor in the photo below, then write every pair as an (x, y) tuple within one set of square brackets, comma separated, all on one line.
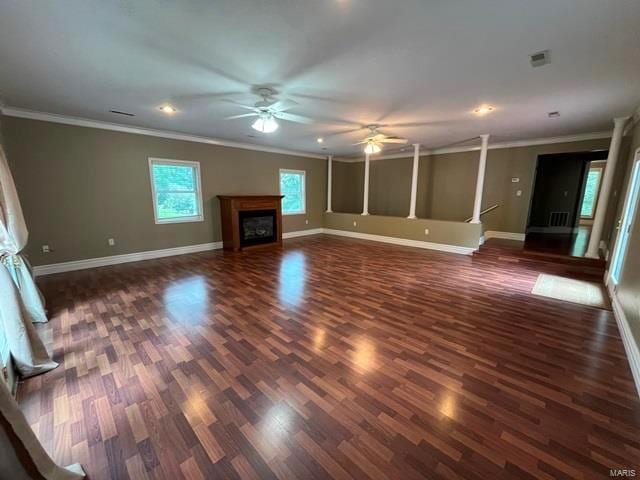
[(331, 358)]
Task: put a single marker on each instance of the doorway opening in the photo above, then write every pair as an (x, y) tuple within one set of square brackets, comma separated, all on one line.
[(564, 202)]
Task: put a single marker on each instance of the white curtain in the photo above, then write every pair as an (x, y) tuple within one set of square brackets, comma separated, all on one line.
[(20, 301), (21, 454)]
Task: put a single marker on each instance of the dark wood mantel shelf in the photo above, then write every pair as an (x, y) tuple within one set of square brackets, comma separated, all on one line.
[(231, 210)]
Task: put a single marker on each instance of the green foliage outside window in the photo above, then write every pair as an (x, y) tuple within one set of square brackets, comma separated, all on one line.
[(292, 187), (590, 193), (176, 191)]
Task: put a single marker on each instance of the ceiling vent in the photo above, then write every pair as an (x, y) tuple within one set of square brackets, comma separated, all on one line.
[(539, 59), (555, 114), (127, 114)]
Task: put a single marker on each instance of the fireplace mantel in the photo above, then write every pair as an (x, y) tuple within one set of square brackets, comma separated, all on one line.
[(236, 209)]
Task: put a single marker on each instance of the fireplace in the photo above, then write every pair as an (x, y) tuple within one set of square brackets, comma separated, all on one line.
[(257, 227), (250, 221)]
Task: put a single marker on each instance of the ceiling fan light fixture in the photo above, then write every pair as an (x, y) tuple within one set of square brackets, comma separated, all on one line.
[(265, 124), (372, 148)]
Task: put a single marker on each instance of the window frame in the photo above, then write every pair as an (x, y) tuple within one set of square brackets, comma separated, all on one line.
[(198, 184), (600, 170), (304, 189)]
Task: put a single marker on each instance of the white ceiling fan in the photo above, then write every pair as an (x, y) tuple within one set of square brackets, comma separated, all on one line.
[(268, 110), (376, 140)]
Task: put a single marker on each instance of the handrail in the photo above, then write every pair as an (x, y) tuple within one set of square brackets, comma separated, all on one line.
[(486, 210)]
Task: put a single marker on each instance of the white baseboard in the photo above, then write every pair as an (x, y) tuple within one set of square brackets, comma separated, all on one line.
[(125, 258), (505, 235), (148, 255), (402, 241), (302, 233), (630, 346)]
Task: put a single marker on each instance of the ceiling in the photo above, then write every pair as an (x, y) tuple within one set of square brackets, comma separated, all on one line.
[(418, 66)]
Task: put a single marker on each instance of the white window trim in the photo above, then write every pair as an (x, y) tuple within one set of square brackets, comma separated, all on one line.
[(304, 189), (182, 163)]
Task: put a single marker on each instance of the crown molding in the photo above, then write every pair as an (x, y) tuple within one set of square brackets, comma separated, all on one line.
[(118, 127), (492, 146)]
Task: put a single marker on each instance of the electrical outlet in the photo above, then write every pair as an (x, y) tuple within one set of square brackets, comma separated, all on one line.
[(45, 249), (111, 242), (426, 231), (515, 180), (306, 221), (355, 224), (518, 193)]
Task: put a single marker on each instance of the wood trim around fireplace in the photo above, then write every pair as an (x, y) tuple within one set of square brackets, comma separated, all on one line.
[(230, 208)]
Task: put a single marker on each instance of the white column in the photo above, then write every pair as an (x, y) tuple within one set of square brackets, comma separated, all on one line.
[(329, 178), (482, 166), (414, 180), (365, 201), (605, 188)]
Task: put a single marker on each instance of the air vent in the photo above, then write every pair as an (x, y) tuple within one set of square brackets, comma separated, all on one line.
[(126, 114), (555, 114), (540, 58)]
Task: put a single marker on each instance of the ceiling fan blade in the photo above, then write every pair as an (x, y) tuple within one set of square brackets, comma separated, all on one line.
[(394, 140), (362, 142), (238, 104), (293, 118), (242, 116), (283, 105)]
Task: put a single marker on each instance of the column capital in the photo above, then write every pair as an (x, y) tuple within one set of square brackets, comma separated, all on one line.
[(416, 145), (620, 121), (485, 135)]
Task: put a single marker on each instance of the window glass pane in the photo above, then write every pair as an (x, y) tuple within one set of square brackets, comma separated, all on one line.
[(590, 193), (176, 205), (290, 183), (174, 177), (292, 203), (292, 187)]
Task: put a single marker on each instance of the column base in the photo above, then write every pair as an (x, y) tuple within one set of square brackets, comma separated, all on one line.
[(364, 213), (412, 217), (592, 255), (328, 211)]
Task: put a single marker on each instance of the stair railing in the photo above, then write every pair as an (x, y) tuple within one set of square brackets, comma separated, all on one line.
[(486, 210)]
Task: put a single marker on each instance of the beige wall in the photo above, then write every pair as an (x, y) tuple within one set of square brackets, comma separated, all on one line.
[(79, 186), (446, 184), (443, 232), (628, 291), (347, 187)]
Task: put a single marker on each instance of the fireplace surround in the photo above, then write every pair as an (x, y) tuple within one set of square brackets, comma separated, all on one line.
[(250, 221)]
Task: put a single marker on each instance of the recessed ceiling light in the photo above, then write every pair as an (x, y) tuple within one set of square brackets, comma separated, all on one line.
[(553, 114), (483, 109), (320, 140), (168, 109)]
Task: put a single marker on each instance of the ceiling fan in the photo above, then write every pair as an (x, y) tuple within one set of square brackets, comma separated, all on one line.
[(268, 110), (376, 140)]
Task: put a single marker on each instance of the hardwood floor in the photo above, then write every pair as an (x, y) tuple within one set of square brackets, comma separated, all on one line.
[(330, 358)]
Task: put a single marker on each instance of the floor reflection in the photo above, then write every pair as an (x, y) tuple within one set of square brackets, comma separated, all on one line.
[(187, 300), (292, 278), (364, 355), (448, 406)]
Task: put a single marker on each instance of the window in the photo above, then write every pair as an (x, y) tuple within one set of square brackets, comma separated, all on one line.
[(591, 190), (292, 186), (175, 186)]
